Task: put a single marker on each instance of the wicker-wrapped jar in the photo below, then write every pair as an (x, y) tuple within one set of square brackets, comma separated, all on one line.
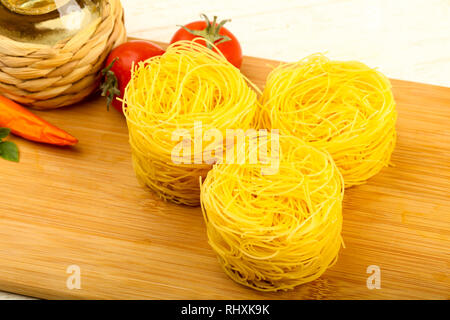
[(46, 76)]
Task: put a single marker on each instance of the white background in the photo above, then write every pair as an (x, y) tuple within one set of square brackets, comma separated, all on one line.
[(405, 39)]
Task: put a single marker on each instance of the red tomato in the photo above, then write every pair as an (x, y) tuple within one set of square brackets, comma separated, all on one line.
[(118, 71), (225, 41)]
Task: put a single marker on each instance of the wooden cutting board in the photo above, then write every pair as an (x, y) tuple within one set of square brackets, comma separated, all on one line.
[(83, 206)]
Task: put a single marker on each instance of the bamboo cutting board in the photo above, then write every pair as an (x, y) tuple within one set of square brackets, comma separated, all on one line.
[(83, 206)]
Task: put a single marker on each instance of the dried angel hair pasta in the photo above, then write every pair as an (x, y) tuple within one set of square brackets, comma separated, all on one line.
[(345, 108), (275, 232), (188, 83)]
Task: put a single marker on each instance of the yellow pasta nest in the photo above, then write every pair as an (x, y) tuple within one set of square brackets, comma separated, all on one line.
[(168, 94), (345, 108), (275, 232)]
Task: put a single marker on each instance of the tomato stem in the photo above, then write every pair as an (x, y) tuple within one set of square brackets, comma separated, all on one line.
[(110, 87), (211, 32)]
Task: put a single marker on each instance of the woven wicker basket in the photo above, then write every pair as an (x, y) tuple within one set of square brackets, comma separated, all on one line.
[(49, 77)]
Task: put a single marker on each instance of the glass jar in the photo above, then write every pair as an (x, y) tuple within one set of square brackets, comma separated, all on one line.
[(46, 21)]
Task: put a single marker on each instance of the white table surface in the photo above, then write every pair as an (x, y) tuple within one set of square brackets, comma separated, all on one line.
[(405, 39)]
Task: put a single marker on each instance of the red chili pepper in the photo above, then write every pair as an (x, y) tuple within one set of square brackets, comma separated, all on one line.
[(25, 124)]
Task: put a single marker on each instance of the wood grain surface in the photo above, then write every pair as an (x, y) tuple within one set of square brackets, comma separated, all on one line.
[(83, 206)]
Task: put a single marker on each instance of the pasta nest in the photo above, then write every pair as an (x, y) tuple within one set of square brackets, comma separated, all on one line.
[(188, 83), (275, 232), (345, 108)]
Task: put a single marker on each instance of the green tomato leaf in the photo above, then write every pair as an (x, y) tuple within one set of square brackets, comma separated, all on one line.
[(9, 151), (4, 132)]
